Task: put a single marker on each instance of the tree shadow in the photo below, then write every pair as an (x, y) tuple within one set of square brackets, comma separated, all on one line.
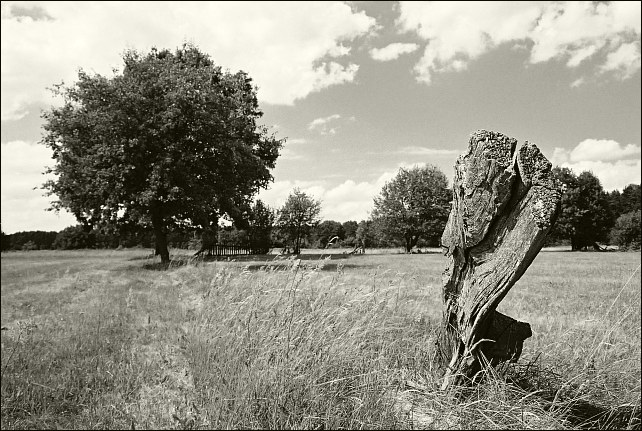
[(146, 257), (280, 266), (322, 261), (160, 266), (549, 386), (271, 262)]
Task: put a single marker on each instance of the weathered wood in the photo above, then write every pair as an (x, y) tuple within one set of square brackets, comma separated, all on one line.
[(505, 201)]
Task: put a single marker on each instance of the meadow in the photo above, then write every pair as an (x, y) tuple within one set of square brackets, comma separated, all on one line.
[(110, 339)]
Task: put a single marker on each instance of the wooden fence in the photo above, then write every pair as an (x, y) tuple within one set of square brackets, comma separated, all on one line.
[(234, 250)]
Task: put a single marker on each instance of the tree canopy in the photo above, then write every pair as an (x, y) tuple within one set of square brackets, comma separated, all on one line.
[(626, 201), (172, 142), (297, 217), (415, 204), (586, 216)]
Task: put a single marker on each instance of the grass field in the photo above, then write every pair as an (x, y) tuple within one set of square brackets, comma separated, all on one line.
[(106, 339)]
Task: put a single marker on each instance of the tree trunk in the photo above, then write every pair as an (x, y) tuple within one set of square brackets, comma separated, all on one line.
[(408, 246), (505, 202), (160, 235)]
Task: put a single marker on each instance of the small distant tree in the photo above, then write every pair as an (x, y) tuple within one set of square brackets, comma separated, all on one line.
[(586, 217), (626, 232), (366, 235), (260, 225), (298, 216), (415, 204)]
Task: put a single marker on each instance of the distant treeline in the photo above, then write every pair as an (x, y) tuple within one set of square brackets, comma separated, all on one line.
[(589, 216), (78, 237)]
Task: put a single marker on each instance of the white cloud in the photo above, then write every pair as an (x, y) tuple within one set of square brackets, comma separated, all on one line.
[(602, 150), (323, 125), (581, 54), (459, 32), (577, 82), (319, 122), (425, 151), (296, 141), (625, 61), (609, 160), (393, 51), (288, 154), (284, 46), (22, 206), (612, 175), (349, 200)]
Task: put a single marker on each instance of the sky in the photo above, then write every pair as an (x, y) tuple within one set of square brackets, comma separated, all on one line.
[(358, 89)]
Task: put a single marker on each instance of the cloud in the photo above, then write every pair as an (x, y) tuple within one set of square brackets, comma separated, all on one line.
[(624, 62), (609, 160), (577, 82), (288, 49), (459, 32), (613, 175), (22, 206), (288, 154), (288, 151), (425, 151), (22, 12), (348, 200), (602, 150), (319, 122), (329, 125), (393, 51), (296, 141)]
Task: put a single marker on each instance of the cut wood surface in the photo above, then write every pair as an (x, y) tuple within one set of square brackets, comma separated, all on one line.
[(505, 201)]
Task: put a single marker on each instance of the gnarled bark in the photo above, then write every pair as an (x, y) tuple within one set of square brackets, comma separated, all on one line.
[(505, 201)]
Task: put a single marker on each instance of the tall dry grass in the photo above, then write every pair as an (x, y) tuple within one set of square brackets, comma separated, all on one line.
[(314, 344)]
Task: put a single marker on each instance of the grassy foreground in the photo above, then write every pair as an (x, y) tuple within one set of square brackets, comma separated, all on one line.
[(103, 339)]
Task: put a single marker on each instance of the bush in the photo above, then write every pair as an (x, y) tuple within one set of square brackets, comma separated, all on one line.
[(626, 232)]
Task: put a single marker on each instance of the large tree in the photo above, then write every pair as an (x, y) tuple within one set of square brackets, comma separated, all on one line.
[(297, 217), (586, 217), (172, 142), (415, 204)]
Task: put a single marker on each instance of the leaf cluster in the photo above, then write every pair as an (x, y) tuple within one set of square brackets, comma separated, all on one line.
[(415, 204)]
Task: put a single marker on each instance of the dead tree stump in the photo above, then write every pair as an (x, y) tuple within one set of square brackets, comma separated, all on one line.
[(505, 201)]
